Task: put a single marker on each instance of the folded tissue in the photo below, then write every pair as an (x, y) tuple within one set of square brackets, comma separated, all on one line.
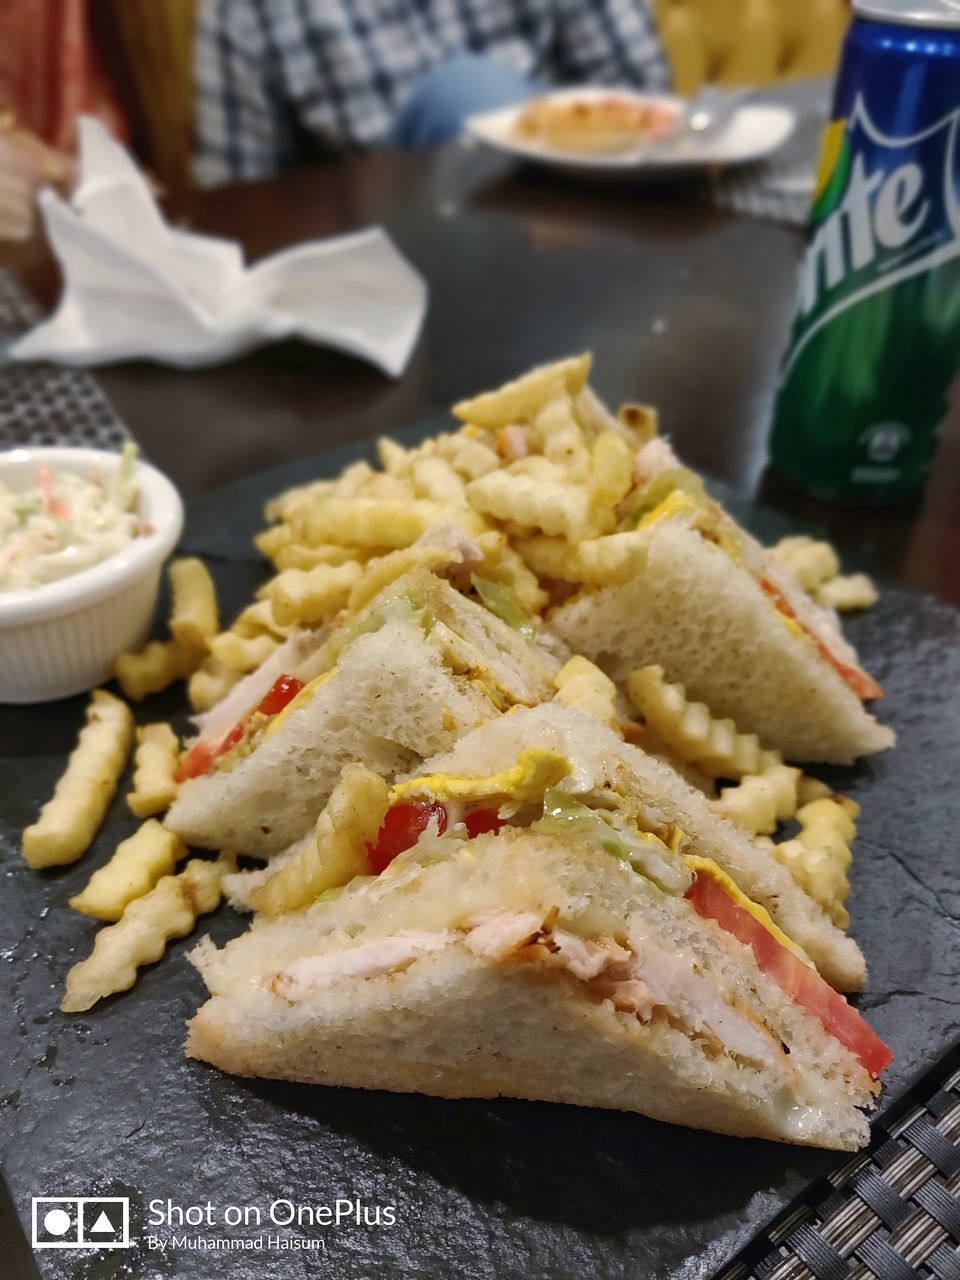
[(137, 288)]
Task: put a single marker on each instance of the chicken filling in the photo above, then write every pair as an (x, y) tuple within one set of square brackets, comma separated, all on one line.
[(643, 981)]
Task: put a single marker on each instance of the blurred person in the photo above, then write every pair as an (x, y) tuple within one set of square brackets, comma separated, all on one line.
[(277, 80), (50, 74)]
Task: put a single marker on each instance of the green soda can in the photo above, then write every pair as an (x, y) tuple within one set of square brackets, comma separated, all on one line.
[(875, 342)]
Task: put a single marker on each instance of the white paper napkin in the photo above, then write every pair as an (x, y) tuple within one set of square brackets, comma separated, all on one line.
[(135, 287)]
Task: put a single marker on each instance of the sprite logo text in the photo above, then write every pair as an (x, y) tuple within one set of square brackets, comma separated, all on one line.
[(879, 212), (887, 209)]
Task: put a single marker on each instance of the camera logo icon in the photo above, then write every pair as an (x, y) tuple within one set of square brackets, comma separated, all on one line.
[(81, 1222)]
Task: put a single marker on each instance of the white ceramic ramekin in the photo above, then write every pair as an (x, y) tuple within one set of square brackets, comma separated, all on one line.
[(62, 638)]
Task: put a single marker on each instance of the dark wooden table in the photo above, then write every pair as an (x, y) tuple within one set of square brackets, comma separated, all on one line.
[(684, 307)]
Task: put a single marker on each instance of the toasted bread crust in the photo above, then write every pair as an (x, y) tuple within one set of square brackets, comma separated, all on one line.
[(707, 622)]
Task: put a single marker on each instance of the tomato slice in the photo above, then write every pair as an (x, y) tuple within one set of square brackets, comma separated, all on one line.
[(860, 681), (402, 827), (280, 695), (482, 821), (199, 759), (791, 975)]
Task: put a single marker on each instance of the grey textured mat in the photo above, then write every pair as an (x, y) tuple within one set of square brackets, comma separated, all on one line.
[(105, 1103)]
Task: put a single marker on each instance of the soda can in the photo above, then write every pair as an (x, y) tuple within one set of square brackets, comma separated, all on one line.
[(875, 341)]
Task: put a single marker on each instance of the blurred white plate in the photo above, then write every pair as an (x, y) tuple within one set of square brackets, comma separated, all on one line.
[(754, 131)]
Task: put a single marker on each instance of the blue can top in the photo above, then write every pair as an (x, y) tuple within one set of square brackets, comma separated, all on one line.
[(915, 13)]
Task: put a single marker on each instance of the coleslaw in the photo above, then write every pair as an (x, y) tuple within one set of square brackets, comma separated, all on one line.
[(66, 523)]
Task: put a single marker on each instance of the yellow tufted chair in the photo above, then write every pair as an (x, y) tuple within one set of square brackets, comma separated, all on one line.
[(755, 42)]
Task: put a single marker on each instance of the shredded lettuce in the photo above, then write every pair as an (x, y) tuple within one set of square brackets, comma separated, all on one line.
[(123, 490), (657, 490), (500, 600), (645, 852), (26, 503)]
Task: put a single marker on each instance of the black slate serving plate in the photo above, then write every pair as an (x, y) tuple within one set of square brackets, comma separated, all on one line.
[(104, 1103)]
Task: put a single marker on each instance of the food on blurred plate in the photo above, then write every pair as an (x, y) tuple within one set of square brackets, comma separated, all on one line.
[(613, 122), (66, 523), (556, 916), (515, 731)]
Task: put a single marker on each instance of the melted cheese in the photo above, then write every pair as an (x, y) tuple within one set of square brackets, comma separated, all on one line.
[(535, 771), (302, 698), (760, 914), (675, 504)]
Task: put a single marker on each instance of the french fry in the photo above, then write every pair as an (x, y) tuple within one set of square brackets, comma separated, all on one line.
[(809, 789), (296, 556), (582, 685), (612, 559), (811, 562), (279, 507), (562, 438), (819, 857), (72, 816), (257, 620), (716, 747), (305, 598), (195, 617), (558, 508), (525, 397), (241, 654), (760, 800), (641, 420), (155, 667), (394, 458), (503, 564), (846, 593), (611, 477), (372, 522), (136, 866), (211, 682), (470, 458), (594, 416), (337, 853), (436, 479), (352, 481), (274, 540), (551, 557), (140, 936), (385, 487), (155, 777), (380, 573)]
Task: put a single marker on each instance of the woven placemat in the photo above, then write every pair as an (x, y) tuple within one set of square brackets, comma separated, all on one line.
[(890, 1213), (779, 189), (44, 403)]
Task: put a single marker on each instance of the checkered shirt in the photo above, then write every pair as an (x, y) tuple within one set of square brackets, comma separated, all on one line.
[(337, 70)]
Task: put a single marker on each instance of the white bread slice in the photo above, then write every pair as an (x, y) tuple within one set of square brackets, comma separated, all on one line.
[(656, 457), (598, 752), (395, 696), (391, 701), (456, 1024), (708, 623)]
